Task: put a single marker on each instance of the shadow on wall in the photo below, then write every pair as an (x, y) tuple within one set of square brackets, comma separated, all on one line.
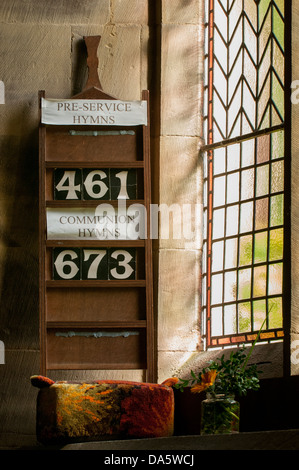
[(19, 239)]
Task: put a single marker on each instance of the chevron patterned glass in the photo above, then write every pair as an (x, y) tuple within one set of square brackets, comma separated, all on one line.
[(244, 79), (244, 115)]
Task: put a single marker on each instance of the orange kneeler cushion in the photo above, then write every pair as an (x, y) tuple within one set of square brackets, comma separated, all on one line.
[(103, 409)]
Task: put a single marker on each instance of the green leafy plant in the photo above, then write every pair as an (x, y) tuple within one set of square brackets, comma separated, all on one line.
[(231, 376), (225, 376)]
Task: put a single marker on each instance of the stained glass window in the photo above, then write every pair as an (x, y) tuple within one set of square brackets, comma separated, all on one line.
[(244, 162)]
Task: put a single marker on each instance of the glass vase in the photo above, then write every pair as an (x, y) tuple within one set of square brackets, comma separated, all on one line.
[(220, 414)]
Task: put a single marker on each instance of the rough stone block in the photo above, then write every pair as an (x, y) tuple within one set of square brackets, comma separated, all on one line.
[(181, 80), (62, 12), (33, 58), (182, 11), (120, 61), (180, 181), (134, 11), (178, 300)]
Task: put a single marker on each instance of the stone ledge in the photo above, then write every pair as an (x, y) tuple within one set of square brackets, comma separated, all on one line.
[(266, 440)]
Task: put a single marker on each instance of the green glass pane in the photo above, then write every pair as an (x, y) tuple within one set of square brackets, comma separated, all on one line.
[(259, 281), (276, 210), (278, 61), (275, 278), (263, 7), (276, 245), (245, 250), (264, 66), (261, 213), (244, 287), (278, 27), (244, 317), (278, 95), (260, 247), (277, 177), (277, 141), (275, 313), (280, 5), (259, 314)]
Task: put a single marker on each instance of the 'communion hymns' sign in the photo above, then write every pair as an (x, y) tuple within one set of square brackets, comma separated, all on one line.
[(93, 112)]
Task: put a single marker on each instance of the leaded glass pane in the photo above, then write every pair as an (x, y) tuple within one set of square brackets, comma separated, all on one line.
[(244, 106)]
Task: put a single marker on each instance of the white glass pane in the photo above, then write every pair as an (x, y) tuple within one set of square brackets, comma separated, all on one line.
[(247, 184), (262, 180), (233, 157), (230, 326), (217, 297), (275, 279), (233, 185), (219, 161), (248, 152), (220, 50), (220, 19), (216, 321), (231, 247), (219, 191), (232, 220), (246, 217), (244, 284), (217, 256), (230, 288), (219, 112), (277, 176), (218, 223)]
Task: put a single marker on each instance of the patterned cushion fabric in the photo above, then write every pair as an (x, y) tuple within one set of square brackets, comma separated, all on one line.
[(104, 409)]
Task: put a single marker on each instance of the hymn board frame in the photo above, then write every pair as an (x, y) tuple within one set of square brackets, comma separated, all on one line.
[(120, 309)]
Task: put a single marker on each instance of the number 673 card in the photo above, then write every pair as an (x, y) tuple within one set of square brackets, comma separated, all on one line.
[(94, 263)]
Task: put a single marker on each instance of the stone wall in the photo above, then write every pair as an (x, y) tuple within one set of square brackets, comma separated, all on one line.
[(179, 183), (155, 47), (145, 45), (42, 48)]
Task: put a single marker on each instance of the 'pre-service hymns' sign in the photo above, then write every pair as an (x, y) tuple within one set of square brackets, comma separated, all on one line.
[(93, 112)]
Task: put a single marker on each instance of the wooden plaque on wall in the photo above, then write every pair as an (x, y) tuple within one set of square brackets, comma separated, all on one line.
[(96, 286)]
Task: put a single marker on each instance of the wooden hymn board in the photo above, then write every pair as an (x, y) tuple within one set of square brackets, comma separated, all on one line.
[(96, 287)]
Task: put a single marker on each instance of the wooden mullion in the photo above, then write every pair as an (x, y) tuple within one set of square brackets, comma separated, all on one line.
[(42, 237)]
